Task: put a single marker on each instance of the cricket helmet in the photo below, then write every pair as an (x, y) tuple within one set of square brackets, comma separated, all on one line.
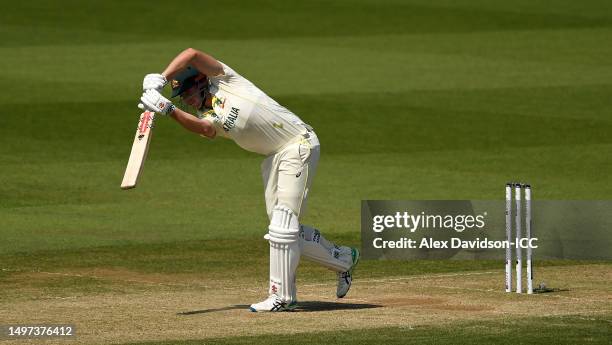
[(185, 80)]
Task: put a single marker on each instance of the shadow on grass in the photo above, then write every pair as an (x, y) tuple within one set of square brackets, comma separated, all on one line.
[(308, 306), (212, 310), (328, 306)]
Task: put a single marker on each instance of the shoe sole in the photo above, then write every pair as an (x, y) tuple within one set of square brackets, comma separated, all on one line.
[(356, 258)]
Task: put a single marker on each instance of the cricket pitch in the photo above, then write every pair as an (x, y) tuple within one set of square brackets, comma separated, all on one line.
[(190, 307)]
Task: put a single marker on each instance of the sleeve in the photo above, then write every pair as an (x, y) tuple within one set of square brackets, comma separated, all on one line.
[(226, 78)]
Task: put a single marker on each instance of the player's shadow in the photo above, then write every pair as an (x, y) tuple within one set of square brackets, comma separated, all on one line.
[(308, 306), (212, 310)]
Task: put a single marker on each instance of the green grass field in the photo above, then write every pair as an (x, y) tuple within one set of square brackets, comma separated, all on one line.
[(410, 99), (557, 330)]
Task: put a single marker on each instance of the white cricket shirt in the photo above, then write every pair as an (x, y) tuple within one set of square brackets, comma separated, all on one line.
[(245, 114)]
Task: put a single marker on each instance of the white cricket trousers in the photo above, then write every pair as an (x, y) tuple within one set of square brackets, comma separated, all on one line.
[(288, 174)]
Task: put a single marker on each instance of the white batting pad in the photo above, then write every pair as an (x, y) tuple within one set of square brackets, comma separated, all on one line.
[(316, 248), (284, 253)]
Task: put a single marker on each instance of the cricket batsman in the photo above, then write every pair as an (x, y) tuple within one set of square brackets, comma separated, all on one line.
[(229, 106)]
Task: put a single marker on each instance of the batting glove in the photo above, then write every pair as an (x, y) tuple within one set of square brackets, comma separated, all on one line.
[(152, 100), (154, 81)]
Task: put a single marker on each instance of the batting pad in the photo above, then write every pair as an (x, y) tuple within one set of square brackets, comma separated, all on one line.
[(284, 253), (316, 248)]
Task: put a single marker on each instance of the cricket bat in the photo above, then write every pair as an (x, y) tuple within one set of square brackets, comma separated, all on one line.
[(139, 150)]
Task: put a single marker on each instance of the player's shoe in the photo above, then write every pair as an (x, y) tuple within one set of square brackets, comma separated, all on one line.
[(272, 303), (345, 279)]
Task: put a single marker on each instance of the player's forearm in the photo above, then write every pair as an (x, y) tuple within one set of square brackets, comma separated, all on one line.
[(201, 61), (193, 124)]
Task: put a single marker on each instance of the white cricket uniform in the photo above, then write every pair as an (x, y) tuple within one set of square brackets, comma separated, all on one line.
[(257, 123)]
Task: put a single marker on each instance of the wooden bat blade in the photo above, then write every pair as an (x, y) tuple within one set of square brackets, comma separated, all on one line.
[(140, 147)]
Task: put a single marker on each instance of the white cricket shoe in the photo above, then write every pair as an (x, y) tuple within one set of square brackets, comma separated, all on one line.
[(345, 279), (272, 303)]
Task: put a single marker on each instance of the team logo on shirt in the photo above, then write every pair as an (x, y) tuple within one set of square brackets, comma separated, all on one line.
[(218, 102)]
